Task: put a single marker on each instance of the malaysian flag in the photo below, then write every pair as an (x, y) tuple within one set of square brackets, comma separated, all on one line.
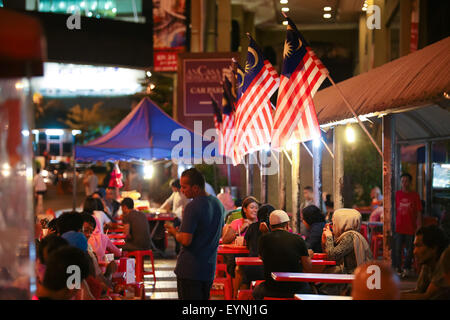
[(295, 115), (254, 118), (228, 130)]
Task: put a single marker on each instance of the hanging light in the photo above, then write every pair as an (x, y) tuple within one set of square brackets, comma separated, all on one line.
[(350, 134), (148, 170)]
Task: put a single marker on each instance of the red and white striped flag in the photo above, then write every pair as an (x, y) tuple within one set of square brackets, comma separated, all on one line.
[(254, 119), (295, 115)]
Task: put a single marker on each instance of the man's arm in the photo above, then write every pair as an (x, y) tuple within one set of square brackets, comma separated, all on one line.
[(182, 237), (306, 263), (414, 295)]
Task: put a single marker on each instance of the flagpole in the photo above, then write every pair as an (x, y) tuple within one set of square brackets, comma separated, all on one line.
[(354, 114)]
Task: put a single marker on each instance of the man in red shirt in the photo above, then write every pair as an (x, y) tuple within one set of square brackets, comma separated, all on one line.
[(408, 220)]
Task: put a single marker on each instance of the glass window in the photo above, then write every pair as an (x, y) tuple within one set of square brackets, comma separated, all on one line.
[(54, 149)]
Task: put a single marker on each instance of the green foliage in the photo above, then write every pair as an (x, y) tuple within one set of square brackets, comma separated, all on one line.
[(162, 93), (363, 166), (208, 172), (92, 122)]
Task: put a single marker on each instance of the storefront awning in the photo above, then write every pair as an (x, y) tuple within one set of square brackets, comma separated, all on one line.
[(418, 79)]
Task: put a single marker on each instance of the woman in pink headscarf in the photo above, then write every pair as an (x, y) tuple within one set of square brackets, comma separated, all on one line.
[(98, 241)]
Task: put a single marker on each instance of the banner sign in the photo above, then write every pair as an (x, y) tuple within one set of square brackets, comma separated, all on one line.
[(169, 33), (203, 77)]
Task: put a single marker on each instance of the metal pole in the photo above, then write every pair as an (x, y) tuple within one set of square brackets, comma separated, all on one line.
[(317, 175), (281, 182), (389, 160), (338, 167), (263, 173), (296, 191), (249, 175)]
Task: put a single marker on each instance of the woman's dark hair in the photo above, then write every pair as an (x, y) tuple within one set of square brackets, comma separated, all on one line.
[(264, 212), (176, 183), (312, 214), (99, 204), (433, 237), (89, 219), (90, 205), (51, 242), (247, 201), (69, 221)]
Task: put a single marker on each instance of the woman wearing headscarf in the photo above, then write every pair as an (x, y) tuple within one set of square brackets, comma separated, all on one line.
[(314, 222), (343, 243)]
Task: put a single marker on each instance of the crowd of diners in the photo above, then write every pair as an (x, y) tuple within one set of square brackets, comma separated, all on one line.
[(78, 238), (267, 234)]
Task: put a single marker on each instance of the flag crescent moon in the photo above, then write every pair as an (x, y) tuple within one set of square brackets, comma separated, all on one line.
[(255, 55), (242, 77)]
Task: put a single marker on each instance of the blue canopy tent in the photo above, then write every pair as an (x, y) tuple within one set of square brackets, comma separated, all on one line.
[(145, 134)]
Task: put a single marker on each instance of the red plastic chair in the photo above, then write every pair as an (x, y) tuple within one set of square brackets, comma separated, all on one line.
[(363, 231), (139, 256), (376, 245), (245, 295), (222, 281)]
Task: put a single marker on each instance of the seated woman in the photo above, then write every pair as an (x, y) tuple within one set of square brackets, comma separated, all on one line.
[(98, 241), (343, 243), (314, 222), (246, 274), (93, 207), (238, 228)]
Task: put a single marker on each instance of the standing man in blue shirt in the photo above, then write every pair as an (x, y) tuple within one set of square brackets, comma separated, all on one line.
[(199, 235)]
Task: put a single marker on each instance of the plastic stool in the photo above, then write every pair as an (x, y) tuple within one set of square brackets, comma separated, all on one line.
[(377, 243), (139, 256), (245, 295), (226, 282)]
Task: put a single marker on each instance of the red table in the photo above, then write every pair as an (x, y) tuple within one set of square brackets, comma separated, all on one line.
[(319, 256), (231, 249), (313, 277), (256, 261)]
